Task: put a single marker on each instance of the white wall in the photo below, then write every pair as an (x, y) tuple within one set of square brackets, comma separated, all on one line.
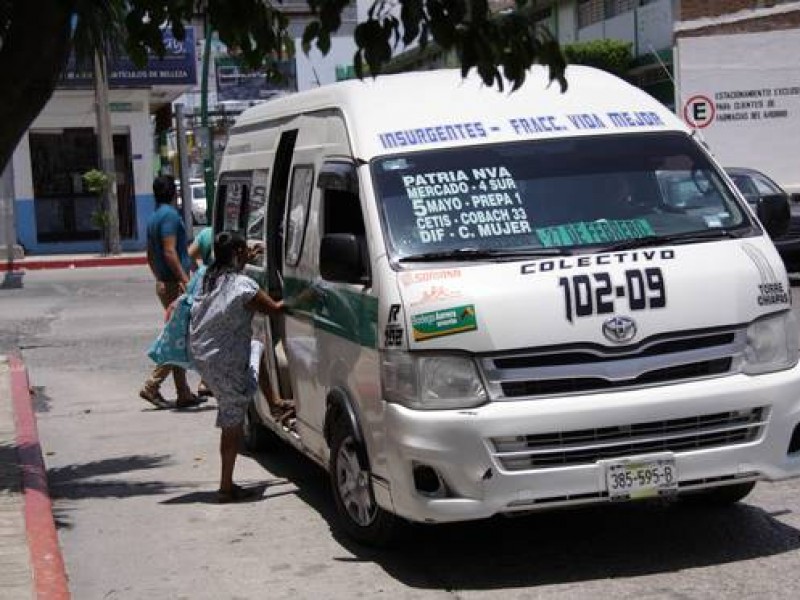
[(654, 24), (753, 83), (68, 109), (315, 69), (567, 22)]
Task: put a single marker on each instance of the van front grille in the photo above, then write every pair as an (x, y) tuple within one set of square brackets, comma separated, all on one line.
[(587, 446), (560, 386), (587, 368)]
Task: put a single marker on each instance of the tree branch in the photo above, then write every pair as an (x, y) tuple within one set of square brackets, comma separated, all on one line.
[(33, 54)]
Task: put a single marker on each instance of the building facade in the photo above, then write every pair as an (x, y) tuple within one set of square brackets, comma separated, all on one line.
[(54, 212)]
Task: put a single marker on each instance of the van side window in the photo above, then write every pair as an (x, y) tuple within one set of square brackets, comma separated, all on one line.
[(256, 213), (341, 208), (299, 198), (234, 193)]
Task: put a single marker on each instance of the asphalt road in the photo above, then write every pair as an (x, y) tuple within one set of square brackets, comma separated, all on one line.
[(133, 492)]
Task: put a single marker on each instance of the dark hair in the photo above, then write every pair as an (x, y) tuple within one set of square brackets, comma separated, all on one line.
[(164, 189), (227, 245)]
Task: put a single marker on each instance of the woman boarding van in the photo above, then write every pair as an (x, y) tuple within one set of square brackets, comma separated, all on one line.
[(510, 302)]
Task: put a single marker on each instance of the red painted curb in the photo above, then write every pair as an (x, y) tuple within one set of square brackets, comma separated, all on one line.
[(72, 263), (49, 575)]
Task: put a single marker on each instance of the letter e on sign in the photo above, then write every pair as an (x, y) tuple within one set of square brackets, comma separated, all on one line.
[(699, 111)]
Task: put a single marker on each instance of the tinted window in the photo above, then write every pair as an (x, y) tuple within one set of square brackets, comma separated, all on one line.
[(765, 186), (299, 198), (555, 193)]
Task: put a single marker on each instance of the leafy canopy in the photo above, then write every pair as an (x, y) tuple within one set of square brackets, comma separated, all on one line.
[(500, 47), (36, 39)]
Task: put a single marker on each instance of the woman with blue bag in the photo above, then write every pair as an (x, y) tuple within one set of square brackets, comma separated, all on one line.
[(171, 347)]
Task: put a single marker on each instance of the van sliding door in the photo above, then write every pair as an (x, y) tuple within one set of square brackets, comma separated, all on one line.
[(274, 325)]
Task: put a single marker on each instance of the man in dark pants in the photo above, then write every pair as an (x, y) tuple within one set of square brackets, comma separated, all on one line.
[(169, 262)]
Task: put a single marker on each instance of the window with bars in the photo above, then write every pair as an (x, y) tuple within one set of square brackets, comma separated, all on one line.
[(594, 11), (590, 12)]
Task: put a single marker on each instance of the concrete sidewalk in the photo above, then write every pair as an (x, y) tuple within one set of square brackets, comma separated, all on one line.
[(31, 565), (73, 261)]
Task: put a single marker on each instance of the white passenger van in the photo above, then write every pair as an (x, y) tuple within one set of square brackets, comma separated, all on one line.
[(504, 302)]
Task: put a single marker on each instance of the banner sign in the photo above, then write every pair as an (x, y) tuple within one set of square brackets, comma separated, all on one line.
[(176, 67), (237, 82)]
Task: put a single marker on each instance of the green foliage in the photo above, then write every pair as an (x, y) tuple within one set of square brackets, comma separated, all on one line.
[(100, 219), (500, 47), (614, 56), (96, 181)]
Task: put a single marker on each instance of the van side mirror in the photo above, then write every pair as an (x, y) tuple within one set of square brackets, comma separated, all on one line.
[(774, 213), (342, 259)]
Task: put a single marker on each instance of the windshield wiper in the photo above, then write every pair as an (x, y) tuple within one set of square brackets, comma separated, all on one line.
[(688, 237), (483, 253)]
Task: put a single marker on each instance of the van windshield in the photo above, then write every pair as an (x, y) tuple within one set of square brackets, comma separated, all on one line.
[(553, 196)]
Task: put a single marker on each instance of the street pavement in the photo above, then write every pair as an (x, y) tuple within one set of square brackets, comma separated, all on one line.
[(134, 502)]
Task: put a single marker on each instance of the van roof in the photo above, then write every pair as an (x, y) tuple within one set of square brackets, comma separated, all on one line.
[(430, 109)]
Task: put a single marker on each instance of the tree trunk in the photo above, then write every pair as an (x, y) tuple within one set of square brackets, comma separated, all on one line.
[(106, 152), (33, 54)]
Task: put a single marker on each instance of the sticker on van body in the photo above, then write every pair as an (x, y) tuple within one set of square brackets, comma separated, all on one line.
[(393, 333), (438, 323), (594, 232), (771, 290)]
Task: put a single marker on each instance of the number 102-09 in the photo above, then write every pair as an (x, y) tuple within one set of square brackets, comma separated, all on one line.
[(586, 295)]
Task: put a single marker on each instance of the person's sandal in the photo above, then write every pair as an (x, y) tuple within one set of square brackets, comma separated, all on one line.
[(153, 397), (189, 402), (236, 494)]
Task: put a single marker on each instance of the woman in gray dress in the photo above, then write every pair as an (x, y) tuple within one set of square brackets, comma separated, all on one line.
[(219, 336)]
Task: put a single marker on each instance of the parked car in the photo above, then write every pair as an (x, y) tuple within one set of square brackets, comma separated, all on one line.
[(755, 186), (199, 204), (197, 187)]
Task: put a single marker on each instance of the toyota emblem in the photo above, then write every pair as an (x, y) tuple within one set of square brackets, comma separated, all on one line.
[(619, 329)]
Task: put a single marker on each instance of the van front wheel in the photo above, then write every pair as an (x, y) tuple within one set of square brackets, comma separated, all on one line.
[(360, 515)]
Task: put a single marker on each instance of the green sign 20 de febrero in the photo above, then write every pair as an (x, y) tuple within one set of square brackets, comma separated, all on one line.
[(444, 322)]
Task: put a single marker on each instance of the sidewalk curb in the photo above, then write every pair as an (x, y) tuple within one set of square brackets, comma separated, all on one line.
[(33, 264), (47, 563)]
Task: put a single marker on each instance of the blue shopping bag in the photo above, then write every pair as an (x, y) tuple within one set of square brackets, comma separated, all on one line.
[(171, 347)]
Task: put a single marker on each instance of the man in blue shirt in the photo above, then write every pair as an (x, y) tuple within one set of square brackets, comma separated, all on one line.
[(169, 261)]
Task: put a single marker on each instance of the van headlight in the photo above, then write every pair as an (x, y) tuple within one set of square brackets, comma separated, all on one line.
[(431, 381), (772, 344)]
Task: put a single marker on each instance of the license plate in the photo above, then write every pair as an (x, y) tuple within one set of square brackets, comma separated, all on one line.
[(641, 478)]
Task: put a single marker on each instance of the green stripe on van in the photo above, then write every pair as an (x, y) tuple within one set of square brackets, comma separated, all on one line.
[(334, 309)]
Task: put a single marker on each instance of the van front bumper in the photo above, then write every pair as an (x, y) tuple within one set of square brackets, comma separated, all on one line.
[(461, 446)]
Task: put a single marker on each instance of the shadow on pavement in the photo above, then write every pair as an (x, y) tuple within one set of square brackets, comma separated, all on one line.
[(564, 546), (76, 482), (210, 496), (12, 280), (41, 401), (310, 480), (10, 474)]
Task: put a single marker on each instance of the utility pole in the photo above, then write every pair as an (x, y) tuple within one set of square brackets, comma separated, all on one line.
[(9, 249), (208, 136), (183, 169), (106, 151)]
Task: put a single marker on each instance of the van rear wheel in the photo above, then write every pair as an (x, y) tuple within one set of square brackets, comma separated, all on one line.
[(359, 514)]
